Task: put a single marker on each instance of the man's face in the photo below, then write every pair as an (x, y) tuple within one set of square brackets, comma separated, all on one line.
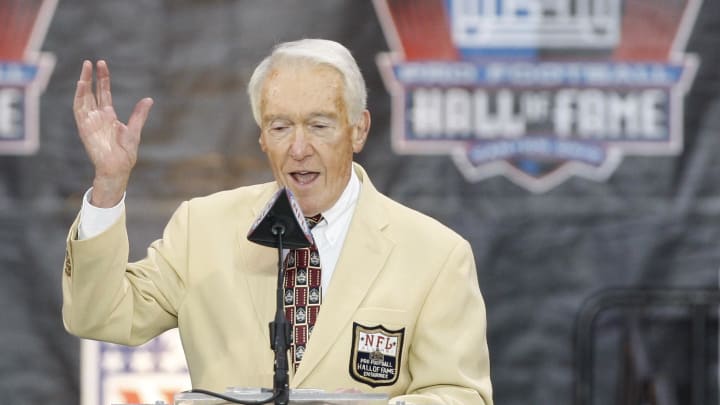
[(306, 134)]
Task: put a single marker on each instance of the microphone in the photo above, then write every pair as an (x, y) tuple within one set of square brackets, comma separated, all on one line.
[(281, 225), (283, 217)]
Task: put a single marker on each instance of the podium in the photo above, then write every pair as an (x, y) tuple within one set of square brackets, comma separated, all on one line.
[(297, 396)]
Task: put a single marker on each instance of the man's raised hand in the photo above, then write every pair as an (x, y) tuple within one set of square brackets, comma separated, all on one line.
[(111, 145)]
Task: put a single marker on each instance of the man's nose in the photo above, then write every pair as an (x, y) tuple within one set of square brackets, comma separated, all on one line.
[(300, 147)]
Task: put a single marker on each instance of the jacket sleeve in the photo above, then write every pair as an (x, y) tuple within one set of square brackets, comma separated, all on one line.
[(106, 298), (448, 358)]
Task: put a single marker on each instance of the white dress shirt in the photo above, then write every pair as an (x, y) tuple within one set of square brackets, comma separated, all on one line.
[(329, 234)]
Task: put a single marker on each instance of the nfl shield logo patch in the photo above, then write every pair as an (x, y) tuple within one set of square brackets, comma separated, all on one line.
[(375, 355)]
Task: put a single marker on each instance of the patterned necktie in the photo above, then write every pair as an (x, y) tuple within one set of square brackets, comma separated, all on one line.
[(303, 293)]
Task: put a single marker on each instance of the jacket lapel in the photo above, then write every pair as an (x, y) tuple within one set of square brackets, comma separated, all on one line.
[(365, 243)]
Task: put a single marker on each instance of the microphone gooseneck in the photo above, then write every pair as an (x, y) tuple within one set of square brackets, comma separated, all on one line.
[(280, 336)]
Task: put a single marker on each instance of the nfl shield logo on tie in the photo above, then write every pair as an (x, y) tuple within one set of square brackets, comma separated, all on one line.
[(375, 355)]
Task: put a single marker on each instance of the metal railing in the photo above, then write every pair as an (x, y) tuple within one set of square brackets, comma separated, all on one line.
[(698, 304)]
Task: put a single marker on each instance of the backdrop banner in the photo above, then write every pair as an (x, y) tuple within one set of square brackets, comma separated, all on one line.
[(575, 144)]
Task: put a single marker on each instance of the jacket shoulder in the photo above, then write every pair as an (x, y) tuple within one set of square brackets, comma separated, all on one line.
[(406, 222)]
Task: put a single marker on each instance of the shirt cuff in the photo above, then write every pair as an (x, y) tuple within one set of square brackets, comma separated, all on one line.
[(95, 220)]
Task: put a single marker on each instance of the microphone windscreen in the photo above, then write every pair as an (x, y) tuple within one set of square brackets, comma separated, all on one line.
[(281, 211)]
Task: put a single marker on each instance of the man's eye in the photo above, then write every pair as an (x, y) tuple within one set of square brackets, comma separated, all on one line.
[(321, 125), (278, 127)]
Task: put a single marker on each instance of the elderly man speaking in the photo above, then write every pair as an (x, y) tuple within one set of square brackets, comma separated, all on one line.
[(386, 300)]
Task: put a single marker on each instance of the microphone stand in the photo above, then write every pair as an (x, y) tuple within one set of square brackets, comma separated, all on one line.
[(280, 335)]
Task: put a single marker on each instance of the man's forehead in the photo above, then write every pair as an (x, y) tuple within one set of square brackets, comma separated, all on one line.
[(314, 90), (307, 71)]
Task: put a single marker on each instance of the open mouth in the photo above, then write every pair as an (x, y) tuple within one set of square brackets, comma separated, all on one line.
[(304, 177)]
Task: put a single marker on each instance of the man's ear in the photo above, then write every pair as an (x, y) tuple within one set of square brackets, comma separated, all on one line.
[(360, 132)]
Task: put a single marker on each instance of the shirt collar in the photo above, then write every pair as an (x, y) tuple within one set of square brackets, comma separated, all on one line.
[(347, 200)]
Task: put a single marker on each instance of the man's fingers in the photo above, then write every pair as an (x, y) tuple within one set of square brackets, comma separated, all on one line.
[(86, 72), (139, 115), (104, 96), (84, 98), (79, 100)]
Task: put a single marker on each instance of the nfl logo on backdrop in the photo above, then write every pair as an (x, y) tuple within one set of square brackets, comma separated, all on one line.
[(537, 90), (24, 72)]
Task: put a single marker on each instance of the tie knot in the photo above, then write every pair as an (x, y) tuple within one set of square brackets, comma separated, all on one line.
[(314, 220)]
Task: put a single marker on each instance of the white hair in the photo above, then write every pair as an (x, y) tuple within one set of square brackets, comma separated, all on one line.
[(316, 51)]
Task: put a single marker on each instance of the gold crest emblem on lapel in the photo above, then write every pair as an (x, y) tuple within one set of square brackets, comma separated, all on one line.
[(375, 355)]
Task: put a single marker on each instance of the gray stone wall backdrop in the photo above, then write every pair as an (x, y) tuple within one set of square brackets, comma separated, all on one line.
[(655, 222)]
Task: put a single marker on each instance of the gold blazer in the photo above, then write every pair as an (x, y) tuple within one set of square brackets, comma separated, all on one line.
[(403, 313)]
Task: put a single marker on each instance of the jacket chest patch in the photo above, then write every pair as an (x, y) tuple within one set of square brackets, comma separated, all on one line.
[(375, 356)]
